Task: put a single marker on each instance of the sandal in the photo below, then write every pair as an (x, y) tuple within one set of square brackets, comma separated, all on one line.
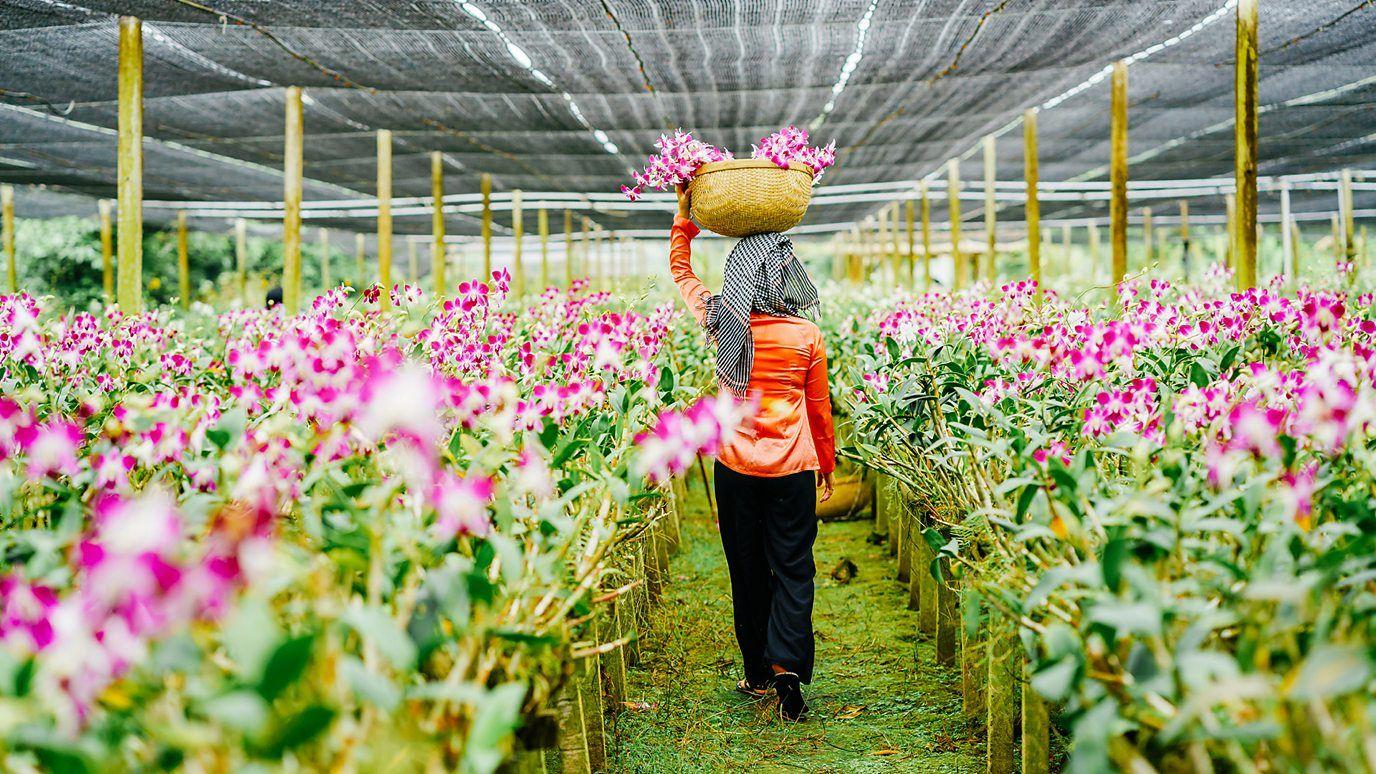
[(752, 690)]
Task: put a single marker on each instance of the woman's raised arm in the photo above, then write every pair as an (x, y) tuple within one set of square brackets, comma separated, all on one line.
[(694, 293)]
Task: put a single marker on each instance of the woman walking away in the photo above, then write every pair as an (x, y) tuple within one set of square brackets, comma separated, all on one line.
[(765, 474)]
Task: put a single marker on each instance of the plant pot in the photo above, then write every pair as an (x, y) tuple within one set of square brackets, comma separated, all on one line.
[(750, 196)]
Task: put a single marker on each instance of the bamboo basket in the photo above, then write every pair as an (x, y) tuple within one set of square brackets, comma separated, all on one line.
[(750, 196)]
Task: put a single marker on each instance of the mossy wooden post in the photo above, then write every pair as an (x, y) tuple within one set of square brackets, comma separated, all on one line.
[(1185, 238), (906, 534), (990, 210), (927, 585), (384, 214), (1005, 664), (1032, 209), (947, 616), (879, 505), (485, 186), (909, 212), (107, 251), (542, 222), (961, 270), (1036, 747), (360, 262), (917, 561), (7, 237), (241, 259), (291, 202), (1147, 246), (326, 278), (613, 662), (926, 237), (571, 755), (891, 514), (973, 664), (1245, 143), (1118, 174), (518, 269), (588, 673), (183, 264), (439, 256), (568, 248), (129, 181), (1349, 233)]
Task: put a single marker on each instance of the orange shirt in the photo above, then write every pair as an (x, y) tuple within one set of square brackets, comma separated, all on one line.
[(791, 431)]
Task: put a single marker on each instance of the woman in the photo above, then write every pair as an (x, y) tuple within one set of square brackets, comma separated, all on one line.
[(765, 474)]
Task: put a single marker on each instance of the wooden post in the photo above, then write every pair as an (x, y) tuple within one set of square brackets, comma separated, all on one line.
[(1287, 245), (926, 238), (1349, 233), (896, 258), (1032, 208), (518, 271), (486, 184), (325, 274), (384, 215), (542, 222), (1036, 747), (990, 210), (291, 203), (972, 657), (1146, 237), (412, 263), (881, 232), (909, 209), (241, 259), (107, 251), (130, 166), (1230, 207), (1337, 238), (927, 588), (1245, 144), (1004, 658), (568, 248), (947, 617), (953, 209), (1118, 171), (183, 264), (439, 256), (1297, 240), (7, 236), (360, 262), (1185, 238)]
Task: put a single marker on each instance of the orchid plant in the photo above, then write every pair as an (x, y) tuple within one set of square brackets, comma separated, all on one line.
[(681, 155)]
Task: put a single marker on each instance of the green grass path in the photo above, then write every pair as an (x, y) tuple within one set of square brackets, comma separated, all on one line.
[(878, 701)]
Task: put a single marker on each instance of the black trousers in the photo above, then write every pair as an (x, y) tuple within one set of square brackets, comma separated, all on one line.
[(768, 526)]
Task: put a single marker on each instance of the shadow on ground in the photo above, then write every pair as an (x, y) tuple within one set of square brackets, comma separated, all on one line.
[(879, 703)]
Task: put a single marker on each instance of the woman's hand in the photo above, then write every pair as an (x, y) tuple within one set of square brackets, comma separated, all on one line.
[(685, 204), (824, 483)]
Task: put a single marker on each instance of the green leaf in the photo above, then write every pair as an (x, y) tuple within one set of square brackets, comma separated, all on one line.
[(299, 729), (1330, 670), (1115, 551), (493, 724), (375, 626), (285, 666), (1025, 498), (243, 711)]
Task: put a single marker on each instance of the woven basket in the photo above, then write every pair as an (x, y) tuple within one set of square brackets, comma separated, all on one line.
[(750, 196)]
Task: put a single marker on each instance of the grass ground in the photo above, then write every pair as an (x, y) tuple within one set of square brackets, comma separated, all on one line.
[(878, 701)]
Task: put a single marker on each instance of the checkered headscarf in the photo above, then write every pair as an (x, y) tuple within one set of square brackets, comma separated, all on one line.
[(762, 275)]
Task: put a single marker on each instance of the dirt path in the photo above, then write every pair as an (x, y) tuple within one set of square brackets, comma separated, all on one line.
[(878, 701)]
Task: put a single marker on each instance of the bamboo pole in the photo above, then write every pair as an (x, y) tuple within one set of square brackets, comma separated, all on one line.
[(130, 166), (241, 259), (990, 210), (1185, 238), (325, 274), (568, 248), (518, 270), (953, 209), (1118, 171), (384, 215), (486, 184), (1032, 209), (1245, 144), (7, 236), (542, 222), (1147, 246), (107, 251), (909, 208), (360, 261), (926, 238), (291, 202), (183, 264), (439, 256)]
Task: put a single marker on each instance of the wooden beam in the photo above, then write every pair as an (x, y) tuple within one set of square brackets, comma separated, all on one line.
[(1245, 144), (1118, 173), (7, 237), (518, 270), (241, 259), (326, 280), (953, 209), (130, 166), (183, 264), (291, 203), (926, 237), (439, 256), (990, 210), (384, 215), (1032, 209), (107, 250), (568, 248), (486, 186), (542, 223)]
